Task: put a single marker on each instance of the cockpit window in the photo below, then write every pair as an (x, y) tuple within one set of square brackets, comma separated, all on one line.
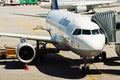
[(94, 32), (86, 32), (77, 32)]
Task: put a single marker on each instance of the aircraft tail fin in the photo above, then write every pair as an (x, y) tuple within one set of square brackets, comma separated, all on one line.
[(54, 5)]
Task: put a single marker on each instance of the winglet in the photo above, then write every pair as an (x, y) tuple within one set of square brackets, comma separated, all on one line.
[(54, 5)]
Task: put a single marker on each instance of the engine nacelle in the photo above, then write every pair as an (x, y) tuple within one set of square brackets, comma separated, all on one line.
[(25, 52), (78, 9), (117, 49)]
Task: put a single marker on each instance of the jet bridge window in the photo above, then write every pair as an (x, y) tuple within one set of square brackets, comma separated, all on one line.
[(77, 32)]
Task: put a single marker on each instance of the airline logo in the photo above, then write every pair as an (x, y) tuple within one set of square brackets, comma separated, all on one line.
[(64, 22)]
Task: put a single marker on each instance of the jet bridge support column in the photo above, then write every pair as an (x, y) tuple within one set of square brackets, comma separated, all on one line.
[(117, 45)]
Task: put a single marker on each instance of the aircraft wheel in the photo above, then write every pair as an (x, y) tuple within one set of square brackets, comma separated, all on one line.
[(103, 56), (85, 69)]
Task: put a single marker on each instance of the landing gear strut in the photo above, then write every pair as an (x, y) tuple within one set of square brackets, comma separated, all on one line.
[(41, 53), (85, 67)]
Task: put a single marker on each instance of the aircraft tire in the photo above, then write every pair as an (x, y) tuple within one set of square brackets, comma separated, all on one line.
[(85, 69), (103, 56)]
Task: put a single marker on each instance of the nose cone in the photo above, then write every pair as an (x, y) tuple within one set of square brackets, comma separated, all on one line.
[(96, 42), (93, 45), (90, 45)]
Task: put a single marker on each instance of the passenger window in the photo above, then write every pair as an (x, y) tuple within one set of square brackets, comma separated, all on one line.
[(77, 32), (86, 32)]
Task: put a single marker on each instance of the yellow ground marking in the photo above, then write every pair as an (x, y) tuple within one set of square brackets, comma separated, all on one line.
[(28, 26), (6, 19), (33, 31), (91, 77), (34, 18), (99, 70)]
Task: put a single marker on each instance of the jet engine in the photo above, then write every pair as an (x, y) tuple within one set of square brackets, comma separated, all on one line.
[(25, 52), (117, 49), (78, 9)]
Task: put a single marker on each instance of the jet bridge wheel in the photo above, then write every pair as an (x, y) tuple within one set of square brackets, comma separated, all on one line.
[(96, 58), (102, 56)]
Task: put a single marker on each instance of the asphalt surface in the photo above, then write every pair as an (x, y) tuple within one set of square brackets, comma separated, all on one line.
[(62, 66)]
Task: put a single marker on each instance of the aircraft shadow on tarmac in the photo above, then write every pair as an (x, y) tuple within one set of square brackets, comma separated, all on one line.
[(12, 64), (113, 61), (58, 66)]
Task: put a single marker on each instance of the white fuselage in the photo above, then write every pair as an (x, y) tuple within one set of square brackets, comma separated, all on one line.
[(76, 32), (64, 4)]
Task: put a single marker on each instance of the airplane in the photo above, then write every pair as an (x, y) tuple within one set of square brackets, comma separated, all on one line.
[(68, 32), (78, 5)]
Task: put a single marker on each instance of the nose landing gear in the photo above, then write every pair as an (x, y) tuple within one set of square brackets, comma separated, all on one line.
[(85, 67)]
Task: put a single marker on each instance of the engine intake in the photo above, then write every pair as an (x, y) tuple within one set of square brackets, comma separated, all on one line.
[(25, 52)]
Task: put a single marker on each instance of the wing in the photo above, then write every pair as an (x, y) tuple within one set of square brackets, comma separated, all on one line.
[(29, 37)]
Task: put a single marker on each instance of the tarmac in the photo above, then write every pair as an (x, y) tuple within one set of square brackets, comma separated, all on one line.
[(61, 66)]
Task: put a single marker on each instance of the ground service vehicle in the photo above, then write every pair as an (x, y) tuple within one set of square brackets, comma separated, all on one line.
[(17, 2)]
